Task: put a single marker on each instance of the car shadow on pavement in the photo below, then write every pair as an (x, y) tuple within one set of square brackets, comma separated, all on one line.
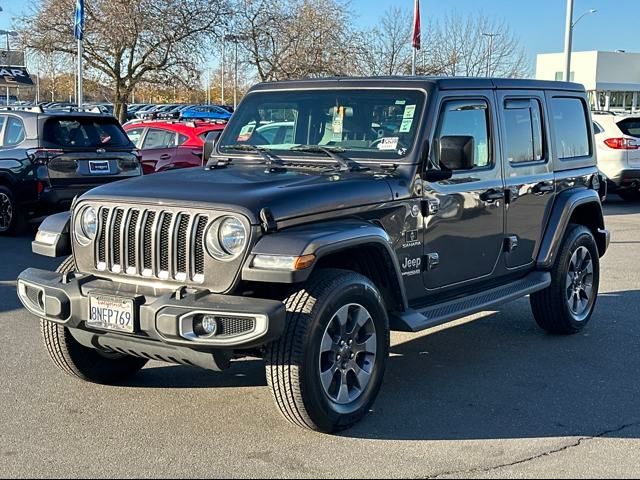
[(501, 377)]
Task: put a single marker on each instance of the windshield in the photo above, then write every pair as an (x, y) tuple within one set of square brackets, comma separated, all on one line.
[(376, 124)]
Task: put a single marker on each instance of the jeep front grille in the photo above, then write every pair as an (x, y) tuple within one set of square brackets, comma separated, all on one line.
[(151, 243)]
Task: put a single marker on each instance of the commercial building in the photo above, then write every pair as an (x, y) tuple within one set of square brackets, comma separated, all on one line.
[(611, 78)]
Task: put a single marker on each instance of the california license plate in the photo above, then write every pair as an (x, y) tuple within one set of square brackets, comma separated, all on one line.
[(111, 313)]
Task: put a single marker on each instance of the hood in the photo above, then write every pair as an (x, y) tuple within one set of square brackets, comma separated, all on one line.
[(249, 189)]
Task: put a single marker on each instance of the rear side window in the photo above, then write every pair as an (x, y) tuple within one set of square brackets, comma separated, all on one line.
[(182, 139), (571, 127), (84, 133), (135, 135), (597, 128), (14, 133), (630, 126), (203, 136), (523, 125), (159, 139)]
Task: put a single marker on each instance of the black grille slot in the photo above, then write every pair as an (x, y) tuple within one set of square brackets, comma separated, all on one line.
[(164, 242), (132, 233), (102, 254), (198, 247), (182, 244), (147, 242), (115, 248), (234, 326)]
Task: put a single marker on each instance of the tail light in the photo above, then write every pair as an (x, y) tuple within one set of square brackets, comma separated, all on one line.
[(622, 143), (42, 156)]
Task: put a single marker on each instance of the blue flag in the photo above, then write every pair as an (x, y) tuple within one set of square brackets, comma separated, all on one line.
[(78, 22)]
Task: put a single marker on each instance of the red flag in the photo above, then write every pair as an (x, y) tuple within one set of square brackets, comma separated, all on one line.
[(417, 44)]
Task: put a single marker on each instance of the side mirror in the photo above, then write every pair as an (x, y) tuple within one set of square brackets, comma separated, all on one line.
[(209, 145), (457, 152)]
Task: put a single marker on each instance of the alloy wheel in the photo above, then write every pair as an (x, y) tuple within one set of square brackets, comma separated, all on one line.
[(580, 283), (6, 212)]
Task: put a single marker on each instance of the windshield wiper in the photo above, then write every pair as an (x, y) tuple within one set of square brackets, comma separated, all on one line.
[(271, 159), (335, 153)]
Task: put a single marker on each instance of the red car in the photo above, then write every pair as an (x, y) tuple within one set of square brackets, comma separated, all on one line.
[(170, 144)]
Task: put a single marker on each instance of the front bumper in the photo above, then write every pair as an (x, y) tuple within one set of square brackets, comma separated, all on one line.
[(161, 318)]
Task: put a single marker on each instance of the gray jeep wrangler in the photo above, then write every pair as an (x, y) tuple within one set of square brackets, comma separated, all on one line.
[(330, 213)]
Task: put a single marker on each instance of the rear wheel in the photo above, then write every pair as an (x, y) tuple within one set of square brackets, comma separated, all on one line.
[(10, 218), (81, 362), (566, 306), (327, 368)]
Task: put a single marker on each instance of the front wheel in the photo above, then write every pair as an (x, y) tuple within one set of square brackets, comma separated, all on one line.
[(566, 306), (81, 362), (326, 370)]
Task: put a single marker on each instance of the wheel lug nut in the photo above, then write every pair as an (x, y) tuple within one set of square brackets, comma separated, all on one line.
[(338, 358), (352, 355), (350, 342)]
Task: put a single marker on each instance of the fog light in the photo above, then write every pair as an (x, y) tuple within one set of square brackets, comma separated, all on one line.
[(205, 325)]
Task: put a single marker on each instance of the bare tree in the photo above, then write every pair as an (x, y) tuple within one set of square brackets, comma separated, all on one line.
[(130, 41), (296, 38)]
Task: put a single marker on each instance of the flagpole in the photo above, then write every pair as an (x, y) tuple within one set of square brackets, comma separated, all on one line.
[(80, 52), (413, 62)]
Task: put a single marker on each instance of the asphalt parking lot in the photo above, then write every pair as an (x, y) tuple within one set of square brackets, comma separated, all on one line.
[(493, 398)]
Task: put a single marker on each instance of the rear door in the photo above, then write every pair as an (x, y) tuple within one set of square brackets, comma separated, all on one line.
[(529, 179), (83, 151), (158, 149)]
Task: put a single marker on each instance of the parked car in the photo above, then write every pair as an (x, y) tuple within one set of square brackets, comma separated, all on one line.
[(618, 145), (168, 145), (309, 253), (205, 112), (47, 159)]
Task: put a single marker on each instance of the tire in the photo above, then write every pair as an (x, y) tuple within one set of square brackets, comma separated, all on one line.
[(559, 309), (629, 195), (81, 362), (11, 221), (299, 361)]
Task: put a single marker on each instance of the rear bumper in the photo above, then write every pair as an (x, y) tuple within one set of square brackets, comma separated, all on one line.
[(629, 178), (165, 320)]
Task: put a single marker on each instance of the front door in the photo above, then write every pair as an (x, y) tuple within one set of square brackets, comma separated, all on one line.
[(158, 149), (464, 233)]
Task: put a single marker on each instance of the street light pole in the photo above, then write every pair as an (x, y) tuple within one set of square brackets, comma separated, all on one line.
[(222, 72), (490, 36), (9, 57), (568, 39)]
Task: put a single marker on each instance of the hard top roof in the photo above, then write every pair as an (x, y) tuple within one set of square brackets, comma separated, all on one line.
[(442, 83)]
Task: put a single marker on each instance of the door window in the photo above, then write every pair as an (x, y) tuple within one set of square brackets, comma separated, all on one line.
[(159, 139), (523, 130), (467, 118)]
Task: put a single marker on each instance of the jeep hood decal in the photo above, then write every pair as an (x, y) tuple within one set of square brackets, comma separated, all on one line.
[(248, 189)]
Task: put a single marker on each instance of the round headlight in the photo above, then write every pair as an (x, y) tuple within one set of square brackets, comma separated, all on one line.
[(90, 223), (226, 238), (86, 226)]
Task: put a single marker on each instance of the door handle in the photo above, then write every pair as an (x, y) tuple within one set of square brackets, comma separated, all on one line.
[(544, 187), (165, 156), (492, 195)]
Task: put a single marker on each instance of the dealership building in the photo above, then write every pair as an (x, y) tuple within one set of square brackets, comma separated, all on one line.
[(612, 79)]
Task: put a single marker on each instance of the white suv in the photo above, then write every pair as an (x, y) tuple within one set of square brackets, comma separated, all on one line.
[(618, 146)]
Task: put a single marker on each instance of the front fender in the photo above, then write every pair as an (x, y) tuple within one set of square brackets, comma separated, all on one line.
[(53, 238), (566, 205), (319, 239)]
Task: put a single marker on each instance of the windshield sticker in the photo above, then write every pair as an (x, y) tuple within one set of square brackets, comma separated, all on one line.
[(388, 143), (337, 125), (401, 102), (245, 133), (406, 125), (409, 111)]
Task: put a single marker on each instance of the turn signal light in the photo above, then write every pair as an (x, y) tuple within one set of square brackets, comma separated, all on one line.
[(622, 143)]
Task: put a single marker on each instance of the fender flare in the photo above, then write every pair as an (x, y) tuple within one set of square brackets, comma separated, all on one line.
[(564, 207), (58, 239), (320, 239)]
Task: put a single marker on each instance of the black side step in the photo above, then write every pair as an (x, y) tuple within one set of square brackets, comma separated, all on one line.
[(435, 315)]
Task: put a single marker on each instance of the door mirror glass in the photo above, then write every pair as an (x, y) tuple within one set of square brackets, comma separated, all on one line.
[(457, 152)]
